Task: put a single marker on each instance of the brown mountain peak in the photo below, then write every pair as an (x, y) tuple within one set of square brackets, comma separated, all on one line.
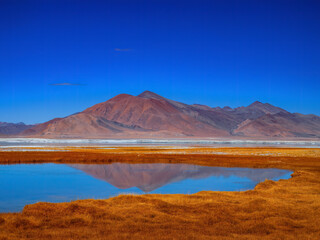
[(256, 103), (149, 94), (121, 96), (265, 107)]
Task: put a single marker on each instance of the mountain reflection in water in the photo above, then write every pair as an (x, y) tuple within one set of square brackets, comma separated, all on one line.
[(22, 184), (149, 177)]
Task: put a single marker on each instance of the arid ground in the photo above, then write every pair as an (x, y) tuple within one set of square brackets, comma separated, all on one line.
[(286, 209)]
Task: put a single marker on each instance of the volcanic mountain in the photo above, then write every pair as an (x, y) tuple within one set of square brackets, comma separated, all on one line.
[(151, 115)]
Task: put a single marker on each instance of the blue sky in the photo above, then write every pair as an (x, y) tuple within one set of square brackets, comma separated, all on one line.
[(218, 53)]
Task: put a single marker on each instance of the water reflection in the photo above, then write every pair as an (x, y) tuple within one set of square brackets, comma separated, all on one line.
[(149, 177), (23, 184)]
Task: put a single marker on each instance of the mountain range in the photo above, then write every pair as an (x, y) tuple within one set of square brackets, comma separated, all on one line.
[(13, 128), (150, 115)]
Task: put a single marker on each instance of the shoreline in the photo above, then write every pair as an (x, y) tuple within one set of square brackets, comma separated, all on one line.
[(256, 157), (209, 142)]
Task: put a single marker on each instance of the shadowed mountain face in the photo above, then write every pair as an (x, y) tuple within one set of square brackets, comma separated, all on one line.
[(150, 115), (12, 128), (282, 124), (149, 177)]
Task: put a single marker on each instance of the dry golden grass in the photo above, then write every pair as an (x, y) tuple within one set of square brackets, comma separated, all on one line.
[(287, 209)]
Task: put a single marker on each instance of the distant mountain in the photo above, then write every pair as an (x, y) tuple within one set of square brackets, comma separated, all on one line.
[(151, 115), (281, 124), (13, 128)]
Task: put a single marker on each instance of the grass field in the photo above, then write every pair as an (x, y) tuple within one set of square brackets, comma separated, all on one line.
[(286, 209)]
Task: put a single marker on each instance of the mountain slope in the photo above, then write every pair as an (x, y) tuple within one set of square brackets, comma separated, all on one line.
[(127, 115), (205, 114), (151, 115), (78, 125), (281, 125)]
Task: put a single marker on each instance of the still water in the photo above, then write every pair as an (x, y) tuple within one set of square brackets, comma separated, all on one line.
[(23, 184)]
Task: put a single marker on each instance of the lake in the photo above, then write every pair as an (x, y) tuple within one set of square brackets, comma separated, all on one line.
[(23, 184)]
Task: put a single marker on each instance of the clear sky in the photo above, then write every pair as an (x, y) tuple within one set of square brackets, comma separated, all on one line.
[(215, 52)]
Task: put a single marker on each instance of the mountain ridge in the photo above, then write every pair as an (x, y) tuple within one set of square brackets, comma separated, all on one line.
[(150, 115), (13, 128)]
